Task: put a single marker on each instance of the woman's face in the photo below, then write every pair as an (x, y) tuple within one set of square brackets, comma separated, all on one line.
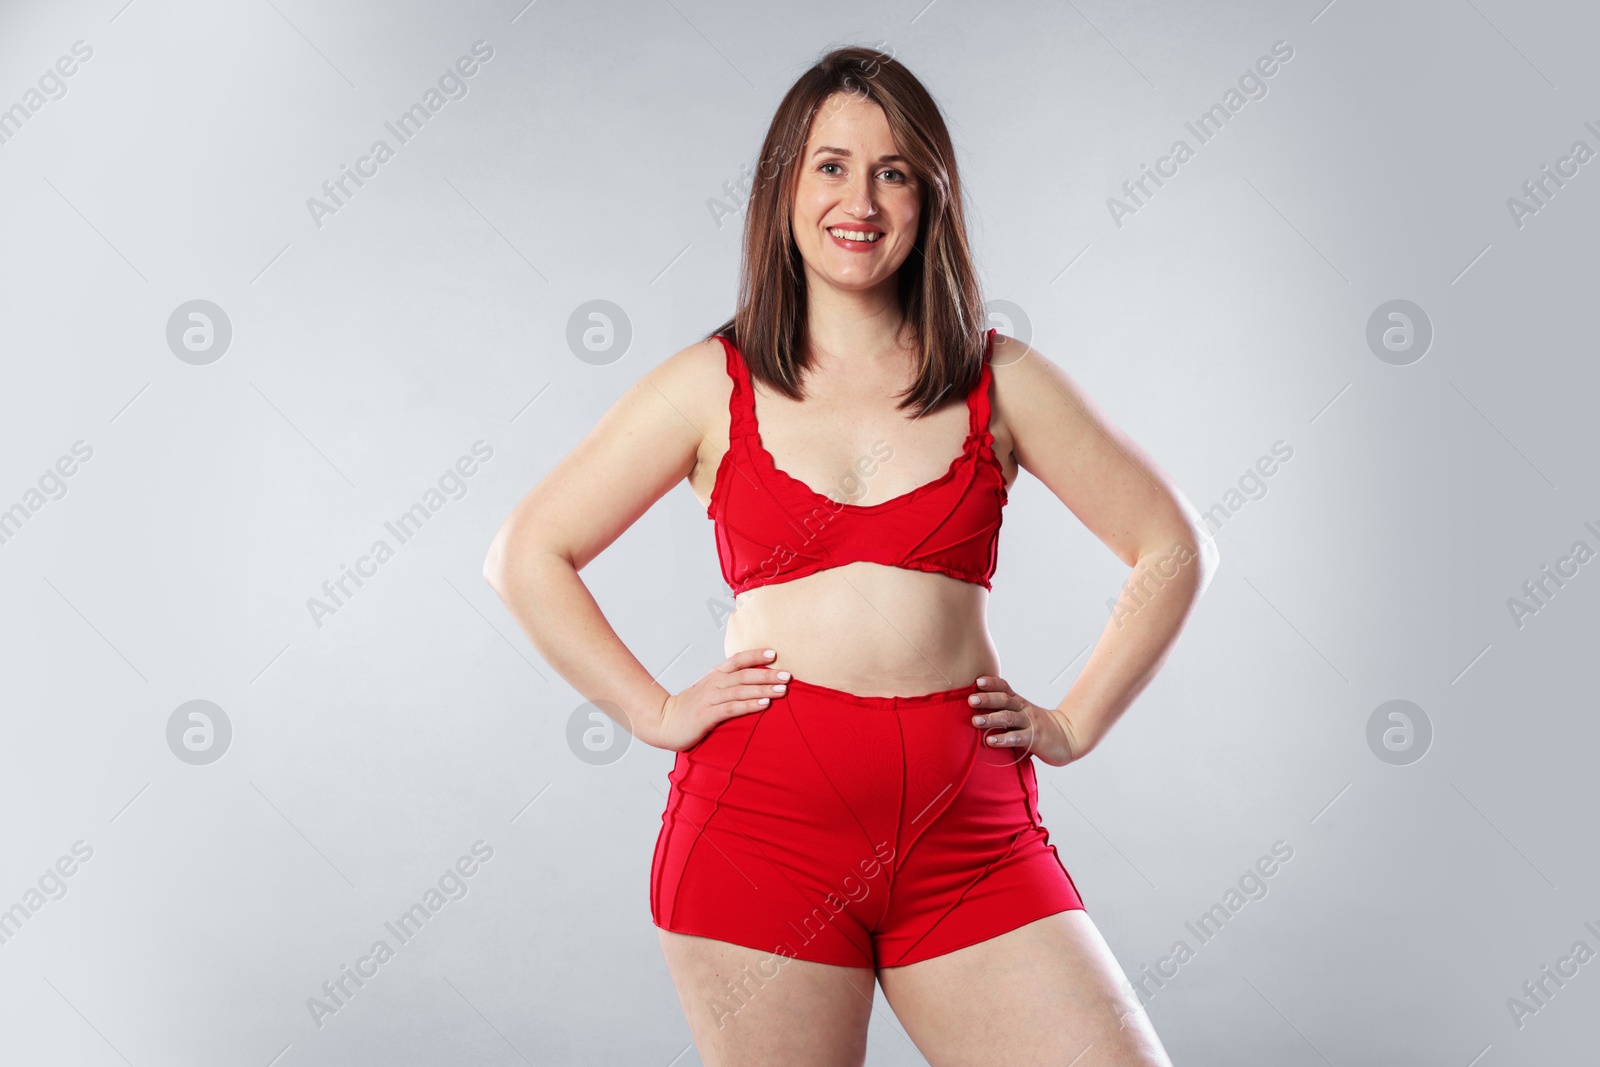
[(853, 184)]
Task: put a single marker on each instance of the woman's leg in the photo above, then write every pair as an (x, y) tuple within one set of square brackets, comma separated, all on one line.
[(1047, 993), (748, 1007)]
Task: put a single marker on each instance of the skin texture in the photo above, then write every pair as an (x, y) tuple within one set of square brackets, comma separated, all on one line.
[(1048, 991), (1046, 994)]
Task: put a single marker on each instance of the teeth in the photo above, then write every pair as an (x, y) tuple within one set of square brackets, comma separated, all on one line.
[(855, 235)]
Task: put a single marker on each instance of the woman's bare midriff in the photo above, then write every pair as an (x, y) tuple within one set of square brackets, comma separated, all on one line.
[(870, 629), (867, 628)]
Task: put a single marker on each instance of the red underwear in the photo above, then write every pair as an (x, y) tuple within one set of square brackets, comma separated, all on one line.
[(862, 831)]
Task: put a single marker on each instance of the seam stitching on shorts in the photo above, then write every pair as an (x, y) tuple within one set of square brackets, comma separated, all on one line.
[(800, 732), (1038, 824), (966, 775), (671, 830), (716, 806), (965, 890)]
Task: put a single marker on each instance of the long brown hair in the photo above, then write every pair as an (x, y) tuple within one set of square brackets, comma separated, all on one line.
[(938, 284)]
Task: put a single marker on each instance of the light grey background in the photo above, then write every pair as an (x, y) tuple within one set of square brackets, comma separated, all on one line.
[(432, 311)]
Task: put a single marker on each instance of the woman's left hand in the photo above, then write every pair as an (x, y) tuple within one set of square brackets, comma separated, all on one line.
[(1013, 722)]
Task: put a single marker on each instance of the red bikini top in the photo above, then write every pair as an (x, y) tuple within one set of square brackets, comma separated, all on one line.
[(771, 527)]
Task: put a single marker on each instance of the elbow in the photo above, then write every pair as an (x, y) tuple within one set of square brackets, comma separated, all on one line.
[(518, 558), (1187, 548), (496, 563), (494, 575), (1208, 557)]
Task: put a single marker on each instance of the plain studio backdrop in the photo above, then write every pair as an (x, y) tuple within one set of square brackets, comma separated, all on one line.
[(1353, 321)]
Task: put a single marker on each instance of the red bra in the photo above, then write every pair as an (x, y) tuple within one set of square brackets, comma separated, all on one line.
[(771, 527)]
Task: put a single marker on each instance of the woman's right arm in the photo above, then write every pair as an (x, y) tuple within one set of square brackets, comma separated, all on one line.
[(644, 445)]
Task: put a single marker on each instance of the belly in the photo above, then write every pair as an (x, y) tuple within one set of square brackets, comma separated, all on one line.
[(869, 629)]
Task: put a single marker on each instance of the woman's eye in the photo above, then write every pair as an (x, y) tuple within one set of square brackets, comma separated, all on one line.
[(897, 177)]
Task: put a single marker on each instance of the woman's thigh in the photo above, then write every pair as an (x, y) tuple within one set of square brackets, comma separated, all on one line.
[(746, 1006), (1047, 993)]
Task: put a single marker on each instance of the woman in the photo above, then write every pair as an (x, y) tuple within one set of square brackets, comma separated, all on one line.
[(854, 794)]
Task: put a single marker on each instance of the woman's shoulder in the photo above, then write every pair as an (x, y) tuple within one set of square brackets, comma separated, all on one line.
[(698, 367), (1018, 367), (1027, 387), (694, 379), (697, 360)]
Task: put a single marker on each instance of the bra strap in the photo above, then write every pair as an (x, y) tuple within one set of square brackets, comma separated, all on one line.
[(978, 399), (741, 402)]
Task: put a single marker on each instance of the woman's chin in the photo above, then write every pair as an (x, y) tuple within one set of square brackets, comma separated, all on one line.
[(851, 281)]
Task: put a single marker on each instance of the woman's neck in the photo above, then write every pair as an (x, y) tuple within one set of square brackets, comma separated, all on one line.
[(851, 326)]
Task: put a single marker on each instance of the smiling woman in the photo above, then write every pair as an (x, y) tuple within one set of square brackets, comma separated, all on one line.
[(860, 703), (855, 188)]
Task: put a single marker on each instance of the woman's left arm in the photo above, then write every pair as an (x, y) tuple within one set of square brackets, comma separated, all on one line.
[(1062, 437)]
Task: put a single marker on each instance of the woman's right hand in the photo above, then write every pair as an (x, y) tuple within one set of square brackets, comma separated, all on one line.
[(737, 686)]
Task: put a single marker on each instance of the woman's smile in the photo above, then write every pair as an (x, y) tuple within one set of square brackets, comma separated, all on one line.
[(855, 238)]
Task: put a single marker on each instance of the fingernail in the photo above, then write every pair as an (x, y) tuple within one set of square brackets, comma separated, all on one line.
[(763, 700), (977, 720), (982, 682), (769, 653), (779, 688), (783, 676)]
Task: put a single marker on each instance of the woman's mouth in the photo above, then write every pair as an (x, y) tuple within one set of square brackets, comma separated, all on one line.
[(854, 240)]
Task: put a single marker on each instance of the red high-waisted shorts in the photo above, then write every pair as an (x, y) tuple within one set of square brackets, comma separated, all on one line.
[(855, 830)]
